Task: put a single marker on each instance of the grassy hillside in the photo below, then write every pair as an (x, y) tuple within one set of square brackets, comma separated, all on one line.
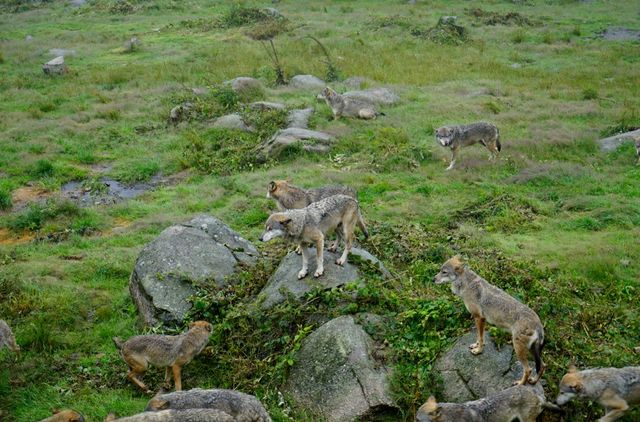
[(555, 222)]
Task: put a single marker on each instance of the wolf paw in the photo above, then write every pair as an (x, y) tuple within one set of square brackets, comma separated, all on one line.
[(517, 382), (302, 274), (340, 261), (318, 273), (333, 248), (476, 350)]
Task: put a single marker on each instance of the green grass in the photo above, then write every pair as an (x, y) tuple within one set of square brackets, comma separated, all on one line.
[(554, 221)]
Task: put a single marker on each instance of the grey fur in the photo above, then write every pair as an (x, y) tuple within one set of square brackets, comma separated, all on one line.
[(638, 150), (7, 339), (242, 407), (456, 137), (348, 107), (288, 196), (187, 415)]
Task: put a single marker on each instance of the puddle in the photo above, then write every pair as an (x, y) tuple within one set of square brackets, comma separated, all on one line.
[(620, 34)]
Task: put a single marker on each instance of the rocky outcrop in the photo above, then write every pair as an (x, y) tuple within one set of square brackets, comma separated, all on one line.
[(613, 142), (232, 121), (308, 140), (469, 377), (307, 82), (299, 118), (284, 282), (245, 84), (337, 377), (203, 251)]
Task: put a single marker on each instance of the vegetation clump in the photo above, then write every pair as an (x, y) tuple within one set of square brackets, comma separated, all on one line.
[(495, 18), (446, 31)]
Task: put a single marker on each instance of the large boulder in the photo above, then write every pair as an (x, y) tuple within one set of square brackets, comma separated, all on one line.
[(375, 96), (299, 118), (307, 82), (613, 142), (244, 84), (284, 282), (469, 377), (266, 106), (309, 140), (232, 121), (55, 66), (337, 376), (168, 270)]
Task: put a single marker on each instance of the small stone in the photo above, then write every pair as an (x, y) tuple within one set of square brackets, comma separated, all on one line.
[(55, 66), (307, 82), (132, 44), (28, 38)]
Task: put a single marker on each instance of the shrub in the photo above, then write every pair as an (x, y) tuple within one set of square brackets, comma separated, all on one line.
[(42, 168), (446, 31), (239, 15), (219, 151), (589, 94), (5, 199), (37, 214)]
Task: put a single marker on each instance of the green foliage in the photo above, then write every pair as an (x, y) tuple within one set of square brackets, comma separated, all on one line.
[(42, 168), (265, 122), (37, 214), (446, 32), (589, 94), (219, 151), (5, 199), (238, 15), (503, 212)]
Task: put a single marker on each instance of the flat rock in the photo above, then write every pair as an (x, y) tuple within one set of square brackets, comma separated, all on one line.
[(77, 3), (470, 377), (355, 82), (613, 142), (299, 118), (620, 34), (232, 121), (285, 281), (55, 66), (377, 96), (310, 140), (266, 105), (200, 91), (203, 251), (244, 84), (306, 82), (337, 377)]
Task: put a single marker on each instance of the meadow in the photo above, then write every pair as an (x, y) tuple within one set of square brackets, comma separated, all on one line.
[(554, 221)]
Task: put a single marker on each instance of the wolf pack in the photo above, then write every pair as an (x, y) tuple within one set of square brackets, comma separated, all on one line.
[(305, 218)]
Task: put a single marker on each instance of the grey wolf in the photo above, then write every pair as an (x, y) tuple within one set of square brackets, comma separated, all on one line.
[(489, 303), (312, 223), (7, 339), (348, 107), (521, 402), (614, 388), (456, 137), (66, 415), (288, 196), (637, 141), (170, 352), (243, 407), (171, 415)]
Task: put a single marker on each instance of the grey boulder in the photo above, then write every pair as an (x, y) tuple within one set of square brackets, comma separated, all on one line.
[(203, 251), (613, 142), (232, 121), (299, 118), (266, 105), (469, 377), (375, 96), (309, 140), (244, 84), (336, 375), (307, 82), (55, 66)]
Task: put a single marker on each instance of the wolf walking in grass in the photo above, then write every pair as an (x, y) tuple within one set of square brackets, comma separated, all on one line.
[(312, 224), (456, 137), (488, 303), (170, 352)]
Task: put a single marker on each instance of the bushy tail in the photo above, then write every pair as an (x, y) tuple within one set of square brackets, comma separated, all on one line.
[(537, 356), (361, 225), (498, 144), (118, 342)]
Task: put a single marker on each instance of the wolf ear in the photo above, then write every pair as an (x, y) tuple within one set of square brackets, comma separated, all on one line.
[(431, 405), (272, 186), (459, 265), (572, 369), (285, 221)]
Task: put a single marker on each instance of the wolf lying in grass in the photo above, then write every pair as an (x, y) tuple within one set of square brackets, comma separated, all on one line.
[(311, 225), (456, 137), (487, 302), (171, 352), (186, 415), (348, 107), (614, 388)]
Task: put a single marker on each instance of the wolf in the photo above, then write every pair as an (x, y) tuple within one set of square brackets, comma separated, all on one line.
[(348, 107), (521, 402), (288, 196), (312, 223), (7, 339), (492, 304), (637, 141), (171, 352), (614, 388), (243, 407), (455, 137), (66, 415), (171, 415)]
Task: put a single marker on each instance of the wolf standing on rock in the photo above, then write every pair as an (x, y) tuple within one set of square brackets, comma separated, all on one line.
[(311, 225), (455, 137), (487, 302)]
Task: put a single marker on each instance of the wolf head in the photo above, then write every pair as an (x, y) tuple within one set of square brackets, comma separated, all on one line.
[(432, 411), (329, 93), (203, 325), (275, 187), (445, 135), (276, 226), (450, 271), (570, 386)]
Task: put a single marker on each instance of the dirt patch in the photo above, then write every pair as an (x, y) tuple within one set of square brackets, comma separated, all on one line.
[(26, 194), (620, 34), (494, 18), (8, 237)]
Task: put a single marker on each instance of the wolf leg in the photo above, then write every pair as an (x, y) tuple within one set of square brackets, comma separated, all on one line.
[(522, 353), (478, 347), (319, 256), (615, 406), (305, 262), (454, 154)]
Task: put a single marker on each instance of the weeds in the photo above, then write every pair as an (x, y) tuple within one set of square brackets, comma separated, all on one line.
[(219, 151), (37, 215), (5, 199), (446, 31)]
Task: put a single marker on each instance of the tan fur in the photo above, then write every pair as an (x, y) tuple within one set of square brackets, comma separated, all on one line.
[(172, 415), (488, 303), (170, 352), (616, 389), (348, 107), (66, 415), (7, 338)]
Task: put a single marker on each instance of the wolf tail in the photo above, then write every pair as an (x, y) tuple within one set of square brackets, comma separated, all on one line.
[(498, 144), (118, 342), (361, 225), (536, 348)]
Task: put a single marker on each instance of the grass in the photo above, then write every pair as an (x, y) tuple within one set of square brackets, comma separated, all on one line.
[(554, 221)]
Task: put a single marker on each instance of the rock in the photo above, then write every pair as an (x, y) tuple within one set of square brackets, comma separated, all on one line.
[(232, 121), (376, 96), (299, 118), (242, 407), (62, 52), (132, 44), (77, 3), (285, 280), (355, 82), (307, 82), (310, 140), (245, 84), (336, 375), (200, 91), (180, 113), (613, 142), (620, 34), (28, 38), (168, 269), (55, 66), (469, 377), (273, 12), (266, 105)]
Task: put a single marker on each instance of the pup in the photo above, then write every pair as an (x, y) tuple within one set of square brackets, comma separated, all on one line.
[(242, 407), (489, 303), (348, 107), (7, 339), (288, 196), (171, 352), (455, 137), (66, 415), (522, 403), (187, 415), (312, 223), (614, 388)]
